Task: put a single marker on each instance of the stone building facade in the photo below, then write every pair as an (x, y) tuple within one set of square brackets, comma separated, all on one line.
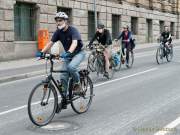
[(20, 20)]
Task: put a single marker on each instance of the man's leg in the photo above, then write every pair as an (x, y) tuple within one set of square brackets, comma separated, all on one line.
[(106, 55), (123, 47), (64, 77), (74, 64), (128, 49)]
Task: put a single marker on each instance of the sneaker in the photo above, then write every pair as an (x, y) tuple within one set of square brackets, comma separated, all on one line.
[(106, 74), (61, 106), (77, 88), (127, 65), (64, 106)]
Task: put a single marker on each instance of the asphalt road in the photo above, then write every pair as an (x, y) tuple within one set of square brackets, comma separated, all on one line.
[(137, 101)]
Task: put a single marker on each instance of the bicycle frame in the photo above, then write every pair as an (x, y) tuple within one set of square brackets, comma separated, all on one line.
[(50, 78)]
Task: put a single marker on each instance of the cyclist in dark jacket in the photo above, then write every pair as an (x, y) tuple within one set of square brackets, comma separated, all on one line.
[(166, 35), (103, 37)]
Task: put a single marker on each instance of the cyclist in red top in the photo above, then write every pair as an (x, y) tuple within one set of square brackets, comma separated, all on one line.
[(126, 36)]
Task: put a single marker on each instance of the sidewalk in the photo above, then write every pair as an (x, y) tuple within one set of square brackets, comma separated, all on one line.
[(25, 68)]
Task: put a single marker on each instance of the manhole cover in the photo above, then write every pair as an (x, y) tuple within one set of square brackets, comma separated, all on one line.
[(53, 126)]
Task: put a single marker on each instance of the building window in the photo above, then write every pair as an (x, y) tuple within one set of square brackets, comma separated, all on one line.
[(24, 22), (134, 25), (91, 25), (172, 27), (151, 4), (115, 26), (149, 30), (117, 1), (68, 11), (161, 24)]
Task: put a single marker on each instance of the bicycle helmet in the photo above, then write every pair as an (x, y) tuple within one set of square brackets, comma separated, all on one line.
[(61, 15), (100, 26), (126, 26)]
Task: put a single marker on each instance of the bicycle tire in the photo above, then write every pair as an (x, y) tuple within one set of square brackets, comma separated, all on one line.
[(90, 65), (169, 56), (38, 121), (159, 54), (83, 110), (111, 69), (131, 58)]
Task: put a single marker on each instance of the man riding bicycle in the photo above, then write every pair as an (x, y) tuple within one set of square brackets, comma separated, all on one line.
[(127, 42), (103, 37), (73, 55), (166, 36)]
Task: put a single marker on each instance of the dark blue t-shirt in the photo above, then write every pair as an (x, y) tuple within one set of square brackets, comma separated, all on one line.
[(66, 38)]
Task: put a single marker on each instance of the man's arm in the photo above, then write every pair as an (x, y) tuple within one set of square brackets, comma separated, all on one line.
[(47, 47), (73, 46), (169, 36), (92, 40), (54, 39), (119, 37)]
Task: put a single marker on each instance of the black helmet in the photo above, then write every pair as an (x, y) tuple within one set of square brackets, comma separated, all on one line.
[(100, 26)]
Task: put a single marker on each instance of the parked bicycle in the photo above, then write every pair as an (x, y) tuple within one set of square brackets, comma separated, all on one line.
[(165, 50), (46, 97), (96, 61)]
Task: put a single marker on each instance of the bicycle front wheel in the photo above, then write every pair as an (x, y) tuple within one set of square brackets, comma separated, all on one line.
[(111, 69), (169, 55), (159, 55), (42, 104), (91, 63), (81, 103), (131, 59)]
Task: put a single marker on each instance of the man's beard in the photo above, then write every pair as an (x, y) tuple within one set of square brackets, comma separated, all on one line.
[(61, 27)]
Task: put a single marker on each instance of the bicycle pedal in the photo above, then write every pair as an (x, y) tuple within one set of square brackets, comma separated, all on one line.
[(58, 109), (64, 106)]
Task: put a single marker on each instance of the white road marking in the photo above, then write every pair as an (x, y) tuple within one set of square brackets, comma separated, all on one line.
[(97, 85), (125, 77), (169, 127), (14, 109)]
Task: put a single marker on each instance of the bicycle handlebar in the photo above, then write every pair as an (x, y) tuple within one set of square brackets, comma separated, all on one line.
[(51, 57)]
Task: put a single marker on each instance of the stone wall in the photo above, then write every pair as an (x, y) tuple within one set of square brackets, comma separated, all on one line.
[(80, 8)]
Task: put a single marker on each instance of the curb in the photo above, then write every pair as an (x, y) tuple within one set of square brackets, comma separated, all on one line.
[(20, 76), (27, 75)]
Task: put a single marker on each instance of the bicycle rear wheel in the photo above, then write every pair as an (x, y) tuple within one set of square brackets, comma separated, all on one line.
[(159, 55), (81, 103), (131, 59), (42, 104), (169, 55)]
